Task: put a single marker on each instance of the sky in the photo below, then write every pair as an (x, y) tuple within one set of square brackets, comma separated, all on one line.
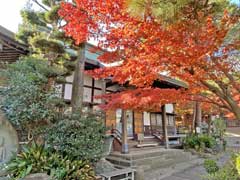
[(10, 13)]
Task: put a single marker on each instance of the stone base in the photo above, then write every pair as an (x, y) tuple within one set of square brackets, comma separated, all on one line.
[(37, 176), (104, 166)]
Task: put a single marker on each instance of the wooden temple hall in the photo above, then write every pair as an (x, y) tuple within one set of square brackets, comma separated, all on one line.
[(130, 129), (10, 49)]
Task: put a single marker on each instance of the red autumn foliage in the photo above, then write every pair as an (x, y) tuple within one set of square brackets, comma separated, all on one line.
[(188, 50)]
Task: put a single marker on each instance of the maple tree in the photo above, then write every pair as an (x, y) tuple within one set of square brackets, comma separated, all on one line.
[(194, 52)]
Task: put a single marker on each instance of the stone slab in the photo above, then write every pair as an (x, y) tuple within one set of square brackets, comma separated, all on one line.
[(8, 139)]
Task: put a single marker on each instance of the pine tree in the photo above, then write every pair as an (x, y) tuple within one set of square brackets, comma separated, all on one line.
[(42, 30), (172, 11)]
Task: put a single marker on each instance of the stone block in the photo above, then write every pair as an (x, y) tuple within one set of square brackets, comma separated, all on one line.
[(37, 176)]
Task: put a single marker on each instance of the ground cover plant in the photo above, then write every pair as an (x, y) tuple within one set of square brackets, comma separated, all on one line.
[(38, 159)]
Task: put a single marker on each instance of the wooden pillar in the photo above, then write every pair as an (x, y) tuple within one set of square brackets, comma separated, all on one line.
[(164, 125), (125, 149), (174, 118), (103, 89)]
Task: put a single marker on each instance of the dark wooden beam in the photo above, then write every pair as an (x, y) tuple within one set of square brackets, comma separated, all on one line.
[(92, 90)]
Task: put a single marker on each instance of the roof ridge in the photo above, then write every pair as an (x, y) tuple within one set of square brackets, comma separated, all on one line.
[(7, 32)]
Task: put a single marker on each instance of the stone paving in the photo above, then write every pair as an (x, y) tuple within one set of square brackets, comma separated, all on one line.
[(194, 173), (198, 172)]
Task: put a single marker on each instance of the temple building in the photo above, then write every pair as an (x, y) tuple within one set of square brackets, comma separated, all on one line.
[(10, 49), (131, 128), (136, 124)]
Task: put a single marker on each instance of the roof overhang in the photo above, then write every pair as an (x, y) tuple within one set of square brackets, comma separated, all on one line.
[(10, 49)]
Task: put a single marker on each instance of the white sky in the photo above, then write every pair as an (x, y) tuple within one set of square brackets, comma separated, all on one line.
[(10, 13)]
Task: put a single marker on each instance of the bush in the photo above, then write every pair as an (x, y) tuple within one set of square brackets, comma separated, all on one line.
[(26, 100), (78, 138), (211, 166), (238, 164), (227, 172), (37, 159), (199, 142), (219, 128), (208, 141)]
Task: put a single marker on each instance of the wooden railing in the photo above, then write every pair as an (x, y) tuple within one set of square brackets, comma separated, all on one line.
[(117, 134)]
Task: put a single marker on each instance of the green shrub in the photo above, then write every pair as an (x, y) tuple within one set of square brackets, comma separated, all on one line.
[(211, 166), (219, 128), (199, 142), (227, 172), (238, 164), (208, 141), (78, 138), (26, 100), (37, 159)]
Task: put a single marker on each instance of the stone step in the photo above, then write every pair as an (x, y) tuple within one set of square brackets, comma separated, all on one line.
[(134, 143), (119, 166), (154, 162), (141, 153), (119, 161), (155, 155)]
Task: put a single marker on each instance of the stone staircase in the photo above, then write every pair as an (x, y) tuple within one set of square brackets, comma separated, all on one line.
[(155, 162), (147, 140)]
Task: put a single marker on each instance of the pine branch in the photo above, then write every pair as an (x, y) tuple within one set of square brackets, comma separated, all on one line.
[(40, 5)]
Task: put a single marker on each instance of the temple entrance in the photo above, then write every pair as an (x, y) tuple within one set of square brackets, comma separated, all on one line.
[(156, 123), (129, 116)]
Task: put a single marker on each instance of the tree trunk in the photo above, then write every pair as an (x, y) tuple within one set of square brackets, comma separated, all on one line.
[(103, 101), (193, 119), (226, 96), (198, 114), (78, 81), (235, 107)]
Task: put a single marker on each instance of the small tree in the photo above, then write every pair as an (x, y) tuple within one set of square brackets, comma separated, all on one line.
[(219, 128), (26, 100), (78, 137)]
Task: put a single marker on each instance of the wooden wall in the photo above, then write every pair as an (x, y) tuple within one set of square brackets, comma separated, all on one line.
[(138, 122), (111, 119)]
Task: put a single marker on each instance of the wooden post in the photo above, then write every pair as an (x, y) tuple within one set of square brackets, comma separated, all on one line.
[(174, 119), (125, 149), (164, 126)]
